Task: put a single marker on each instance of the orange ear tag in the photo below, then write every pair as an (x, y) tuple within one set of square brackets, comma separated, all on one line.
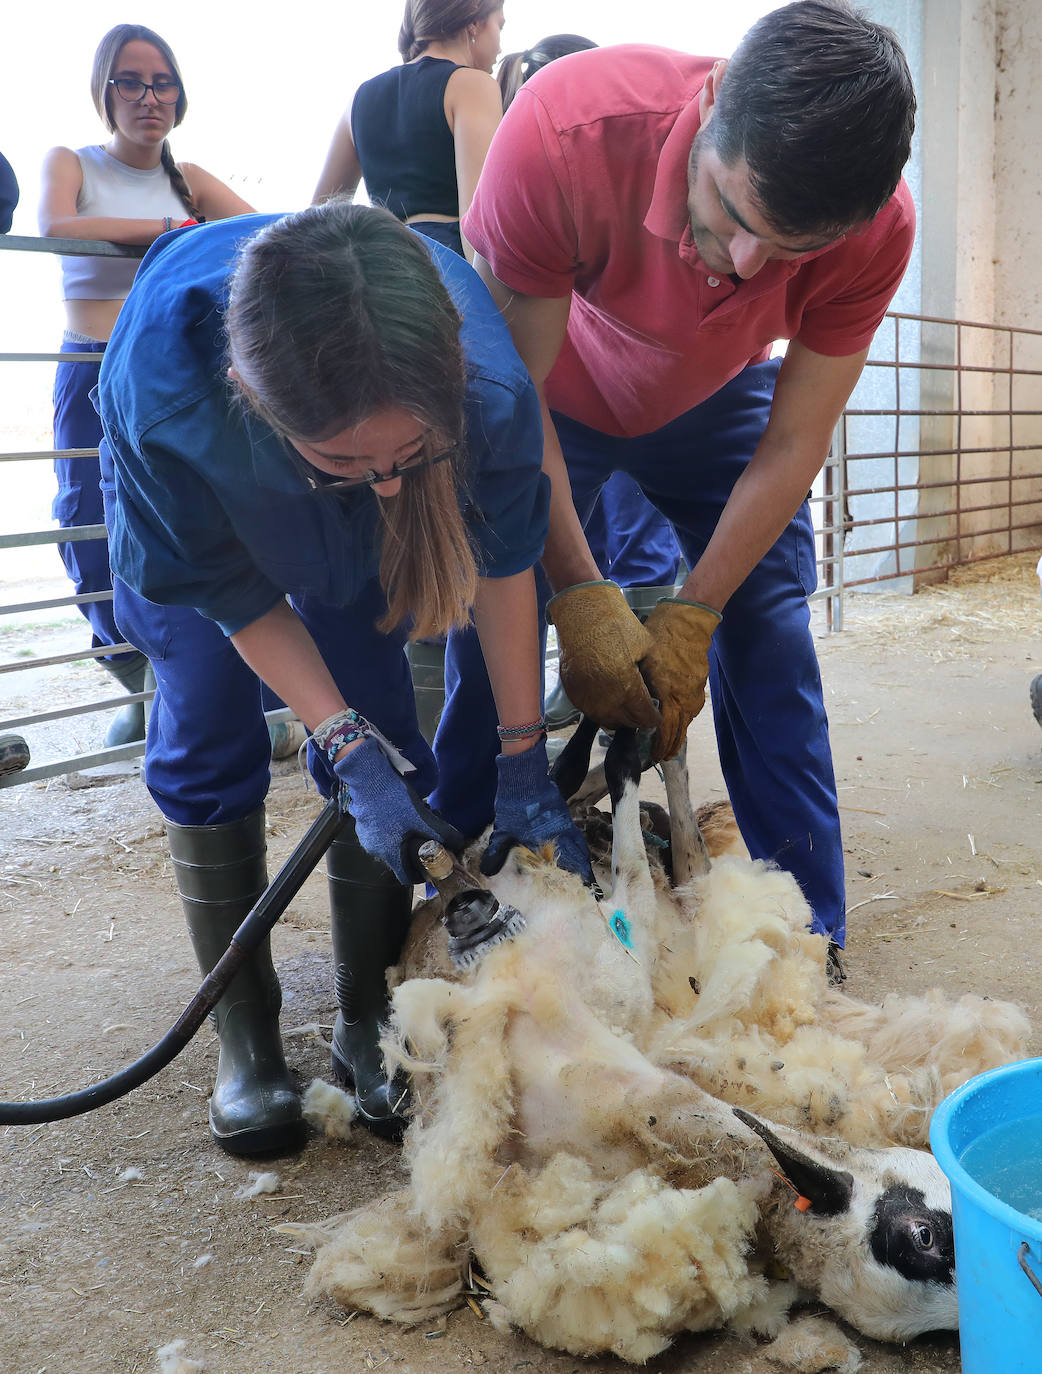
[(802, 1204)]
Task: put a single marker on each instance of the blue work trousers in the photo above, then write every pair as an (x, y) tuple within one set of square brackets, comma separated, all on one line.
[(630, 540), (78, 502)]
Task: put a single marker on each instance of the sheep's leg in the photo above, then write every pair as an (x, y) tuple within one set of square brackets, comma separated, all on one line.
[(592, 789), (633, 891), (690, 856), (571, 768)]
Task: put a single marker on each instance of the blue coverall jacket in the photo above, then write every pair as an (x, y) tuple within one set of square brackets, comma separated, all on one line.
[(211, 523)]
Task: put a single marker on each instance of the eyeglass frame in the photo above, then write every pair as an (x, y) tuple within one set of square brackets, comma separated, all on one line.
[(175, 86), (373, 478)]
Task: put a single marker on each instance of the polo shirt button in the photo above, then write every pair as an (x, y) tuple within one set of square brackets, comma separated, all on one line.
[(713, 281)]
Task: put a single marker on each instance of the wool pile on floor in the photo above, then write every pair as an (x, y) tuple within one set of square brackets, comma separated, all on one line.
[(574, 1134)]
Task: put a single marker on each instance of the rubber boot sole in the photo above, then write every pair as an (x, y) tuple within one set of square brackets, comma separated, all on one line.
[(285, 1138)]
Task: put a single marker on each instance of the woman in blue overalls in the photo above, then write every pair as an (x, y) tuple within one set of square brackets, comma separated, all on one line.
[(325, 407)]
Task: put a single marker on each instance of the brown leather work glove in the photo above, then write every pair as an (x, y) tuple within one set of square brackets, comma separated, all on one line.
[(676, 668), (601, 641)]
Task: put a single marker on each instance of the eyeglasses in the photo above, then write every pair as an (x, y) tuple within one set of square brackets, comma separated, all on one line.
[(322, 481), (165, 89)]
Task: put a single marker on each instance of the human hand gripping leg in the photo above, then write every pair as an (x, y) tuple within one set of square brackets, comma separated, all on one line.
[(282, 653), (676, 667), (529, 810)]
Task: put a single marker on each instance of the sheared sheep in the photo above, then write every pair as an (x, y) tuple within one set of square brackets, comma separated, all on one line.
[(583, 1123)]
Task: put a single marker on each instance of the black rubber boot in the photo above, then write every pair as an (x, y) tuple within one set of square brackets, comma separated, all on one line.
[(128, 724), (255, 1107), (427, 661), (14, 754), (371, 911), (1035, 692)]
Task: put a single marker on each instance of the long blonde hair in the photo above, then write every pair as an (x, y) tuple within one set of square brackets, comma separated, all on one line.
[(336, 313)]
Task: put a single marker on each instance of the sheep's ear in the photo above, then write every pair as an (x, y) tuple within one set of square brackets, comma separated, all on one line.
[(828, 1190)]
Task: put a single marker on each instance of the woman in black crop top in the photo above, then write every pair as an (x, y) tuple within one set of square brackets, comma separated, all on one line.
[(418, 134)]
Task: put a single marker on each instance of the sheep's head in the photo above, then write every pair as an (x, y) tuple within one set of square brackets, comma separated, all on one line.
[(872, 1237)]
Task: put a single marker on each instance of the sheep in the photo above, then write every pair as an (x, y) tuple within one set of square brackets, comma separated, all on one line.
[(591, 1103)]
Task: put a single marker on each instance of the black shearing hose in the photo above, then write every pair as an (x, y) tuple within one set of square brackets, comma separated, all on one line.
[(269, 906)]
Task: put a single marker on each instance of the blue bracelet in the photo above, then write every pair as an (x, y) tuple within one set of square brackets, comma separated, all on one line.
[(338, 741)]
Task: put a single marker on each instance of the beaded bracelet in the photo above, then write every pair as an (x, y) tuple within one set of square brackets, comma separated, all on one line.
[(515, 732), (168, 224), (343, 728)]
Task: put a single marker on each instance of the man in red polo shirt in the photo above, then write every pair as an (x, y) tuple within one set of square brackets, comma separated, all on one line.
[(651, 223)]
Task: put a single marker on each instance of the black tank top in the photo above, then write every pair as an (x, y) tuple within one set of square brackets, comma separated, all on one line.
[(403, 141)]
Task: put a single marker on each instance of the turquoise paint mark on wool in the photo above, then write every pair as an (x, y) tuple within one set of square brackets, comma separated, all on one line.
[(620, 928)]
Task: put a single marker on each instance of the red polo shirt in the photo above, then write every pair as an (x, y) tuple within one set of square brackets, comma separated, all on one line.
[(585, 191)]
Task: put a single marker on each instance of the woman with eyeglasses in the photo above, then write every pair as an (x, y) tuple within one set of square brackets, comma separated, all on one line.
[(318, 435), (129, 191), (418, 134)]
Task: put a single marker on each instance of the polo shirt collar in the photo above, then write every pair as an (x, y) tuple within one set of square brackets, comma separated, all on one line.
[(667, 216)]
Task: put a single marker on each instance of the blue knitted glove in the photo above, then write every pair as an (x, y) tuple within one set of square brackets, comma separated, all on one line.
[(391, 820), (530, 811)]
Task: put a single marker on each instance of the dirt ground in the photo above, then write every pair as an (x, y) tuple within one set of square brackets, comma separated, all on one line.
[(121, 1229)]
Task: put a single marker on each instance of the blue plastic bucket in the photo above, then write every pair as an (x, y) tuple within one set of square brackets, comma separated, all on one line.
[(998, 1249)]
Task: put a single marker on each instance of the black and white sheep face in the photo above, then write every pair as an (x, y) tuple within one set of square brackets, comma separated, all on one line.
[(904, 1282), (875, 1242)]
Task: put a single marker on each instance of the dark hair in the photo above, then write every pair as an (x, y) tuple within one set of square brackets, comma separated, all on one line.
[(335, 313), (432, 21), (104, 65), (516, 67), (818, 100)]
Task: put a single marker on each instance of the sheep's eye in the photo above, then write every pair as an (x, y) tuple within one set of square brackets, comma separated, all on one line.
[(922, 1236)]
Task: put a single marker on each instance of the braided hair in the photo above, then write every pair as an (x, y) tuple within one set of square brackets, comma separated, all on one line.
[(180, 185)]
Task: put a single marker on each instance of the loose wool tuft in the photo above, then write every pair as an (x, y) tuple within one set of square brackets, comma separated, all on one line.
[(258, 1184), (172, 1360), (330, 1110), (383, 1259), (811, 1345)]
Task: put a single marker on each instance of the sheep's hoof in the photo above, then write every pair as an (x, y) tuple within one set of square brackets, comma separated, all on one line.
[(834, 970)]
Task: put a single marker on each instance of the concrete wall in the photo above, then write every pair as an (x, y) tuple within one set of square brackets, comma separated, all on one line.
[(1018, 218), (1017, 234), (976, 177)]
